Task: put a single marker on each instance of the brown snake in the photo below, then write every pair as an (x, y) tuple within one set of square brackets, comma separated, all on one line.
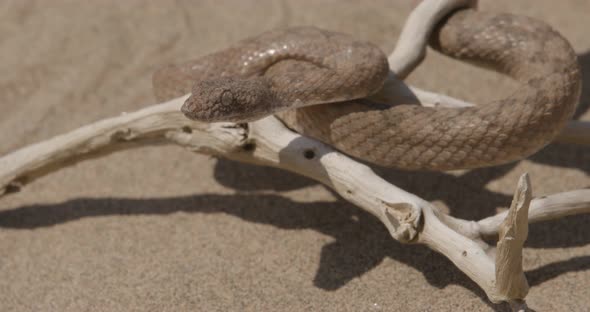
[(303, 66)]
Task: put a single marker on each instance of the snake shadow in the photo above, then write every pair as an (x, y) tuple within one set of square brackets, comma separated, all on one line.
[(584, 106)]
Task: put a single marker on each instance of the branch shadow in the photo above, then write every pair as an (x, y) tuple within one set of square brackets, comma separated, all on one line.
[(246, 177), (361, 242), (571, 231), (550, 271)]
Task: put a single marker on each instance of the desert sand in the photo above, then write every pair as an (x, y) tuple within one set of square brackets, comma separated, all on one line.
[(161, 229)]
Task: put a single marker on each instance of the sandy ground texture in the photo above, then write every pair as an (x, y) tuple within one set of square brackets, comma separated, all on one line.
[(161, 229)]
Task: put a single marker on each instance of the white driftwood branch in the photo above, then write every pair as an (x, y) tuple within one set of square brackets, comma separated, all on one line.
[(411, 45), (408, 217), (268, 142), (108, 135)]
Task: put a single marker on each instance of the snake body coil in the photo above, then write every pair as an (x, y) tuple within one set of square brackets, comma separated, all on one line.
[(304, 66)]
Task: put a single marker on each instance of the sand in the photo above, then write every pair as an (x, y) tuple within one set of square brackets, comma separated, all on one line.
[(161, 229)]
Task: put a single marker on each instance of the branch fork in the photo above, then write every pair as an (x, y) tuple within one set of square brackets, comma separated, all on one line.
[(408, 218)]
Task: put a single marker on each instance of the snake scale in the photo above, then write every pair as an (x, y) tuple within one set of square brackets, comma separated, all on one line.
[(286, 72)]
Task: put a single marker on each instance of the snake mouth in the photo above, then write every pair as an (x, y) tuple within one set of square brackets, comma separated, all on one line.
[(188, 109)]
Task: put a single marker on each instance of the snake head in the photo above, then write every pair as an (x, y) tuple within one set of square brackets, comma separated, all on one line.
[(229, 100)]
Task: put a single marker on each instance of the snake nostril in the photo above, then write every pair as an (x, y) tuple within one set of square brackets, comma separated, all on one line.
[(248, 147), (309, 154)]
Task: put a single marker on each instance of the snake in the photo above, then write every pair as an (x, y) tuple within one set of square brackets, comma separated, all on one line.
[(319, 83)]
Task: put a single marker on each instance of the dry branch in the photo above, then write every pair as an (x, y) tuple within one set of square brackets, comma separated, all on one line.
[(549, 207), (411, 45), (510, 280), (408, 217)]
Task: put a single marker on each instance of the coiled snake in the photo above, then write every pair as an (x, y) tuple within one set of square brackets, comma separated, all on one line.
[(287, 72)]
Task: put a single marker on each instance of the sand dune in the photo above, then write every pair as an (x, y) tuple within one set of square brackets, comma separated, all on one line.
[(160, 229)]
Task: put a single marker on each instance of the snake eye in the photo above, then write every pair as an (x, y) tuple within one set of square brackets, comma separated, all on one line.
[(227, 98)]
